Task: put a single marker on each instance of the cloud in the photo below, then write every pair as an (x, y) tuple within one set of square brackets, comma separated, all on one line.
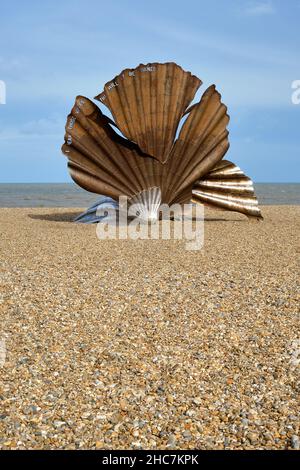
[(261, 8), (52, 127)]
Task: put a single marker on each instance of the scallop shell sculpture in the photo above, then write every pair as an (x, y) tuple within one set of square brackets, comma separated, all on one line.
[(150, 165)]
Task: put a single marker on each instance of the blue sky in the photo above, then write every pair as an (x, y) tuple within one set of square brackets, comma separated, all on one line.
[(53, 50)]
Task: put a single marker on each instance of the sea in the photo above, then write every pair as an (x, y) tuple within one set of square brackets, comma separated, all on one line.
[(71, 195)]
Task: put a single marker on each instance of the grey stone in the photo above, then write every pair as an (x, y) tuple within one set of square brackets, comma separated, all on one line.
[(295, 442)]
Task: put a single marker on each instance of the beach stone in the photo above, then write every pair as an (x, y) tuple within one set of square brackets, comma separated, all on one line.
[(226, 442), (171, 441), (187, 435), (202, 359), (295, 442), (59, 424)]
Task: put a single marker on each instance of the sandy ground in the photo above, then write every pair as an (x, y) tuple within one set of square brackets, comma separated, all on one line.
[(142, 344)]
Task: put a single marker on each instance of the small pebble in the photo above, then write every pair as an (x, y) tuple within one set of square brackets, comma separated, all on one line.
[(295, 442), (123, 344)]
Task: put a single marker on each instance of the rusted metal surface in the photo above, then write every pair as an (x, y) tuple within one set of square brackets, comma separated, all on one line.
[(148, 102), (202, 142), (148, 111)]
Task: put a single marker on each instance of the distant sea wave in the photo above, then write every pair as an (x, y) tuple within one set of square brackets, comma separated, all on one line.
[(70, 195)]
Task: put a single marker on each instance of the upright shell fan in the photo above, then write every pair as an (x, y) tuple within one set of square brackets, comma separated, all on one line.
[(148, 102), (150, 166)]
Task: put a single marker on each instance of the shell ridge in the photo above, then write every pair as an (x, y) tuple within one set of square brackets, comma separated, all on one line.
[(120, 150), (169, 130), (92, 183), (101, 180), (185, 145), (122, 119), (126, 109), (152, 141), (105, 147), (212, 156), (176, 157), (107, 167), (145, 94), (138, 92), (111, 151)]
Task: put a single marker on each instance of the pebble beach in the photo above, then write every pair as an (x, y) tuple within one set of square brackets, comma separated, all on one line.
[(123, 344)]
